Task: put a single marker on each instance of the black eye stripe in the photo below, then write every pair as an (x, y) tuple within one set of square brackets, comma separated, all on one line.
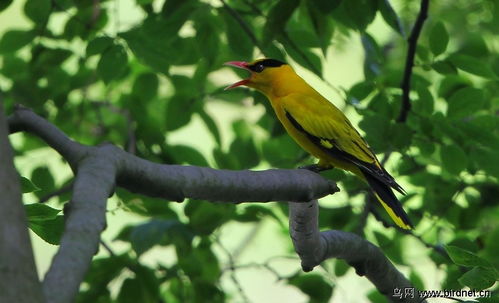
[(260, 65)]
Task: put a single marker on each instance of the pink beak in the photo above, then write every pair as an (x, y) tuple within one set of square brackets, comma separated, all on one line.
[(238, 64)]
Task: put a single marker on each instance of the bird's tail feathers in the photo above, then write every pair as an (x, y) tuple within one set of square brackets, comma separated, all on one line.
[(389, 201)]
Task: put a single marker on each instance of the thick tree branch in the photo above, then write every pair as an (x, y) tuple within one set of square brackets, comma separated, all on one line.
[(97, 170), (314, 247), (85, 221), (18, 277), (177, 182), (405, 107)]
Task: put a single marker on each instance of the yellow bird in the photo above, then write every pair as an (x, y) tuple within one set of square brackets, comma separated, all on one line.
[(322, 129)]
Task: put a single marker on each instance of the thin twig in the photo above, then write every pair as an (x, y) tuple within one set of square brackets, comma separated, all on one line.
[(409, 62), (232, 271), (243, 25), (436, 248), (56, 193), (107, 248), (125, 113)]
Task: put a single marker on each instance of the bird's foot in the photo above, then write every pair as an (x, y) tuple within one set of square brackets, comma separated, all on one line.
[(314, 167)]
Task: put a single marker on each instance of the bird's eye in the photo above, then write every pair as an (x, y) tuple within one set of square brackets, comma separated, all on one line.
[(259, 68)]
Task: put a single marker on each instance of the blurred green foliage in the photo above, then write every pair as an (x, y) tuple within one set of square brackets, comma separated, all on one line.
[(126, 86)]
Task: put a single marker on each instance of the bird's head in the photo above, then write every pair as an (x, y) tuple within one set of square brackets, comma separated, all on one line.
[(264, 73)]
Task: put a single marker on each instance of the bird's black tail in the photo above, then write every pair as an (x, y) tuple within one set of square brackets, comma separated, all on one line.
[(390, 203)]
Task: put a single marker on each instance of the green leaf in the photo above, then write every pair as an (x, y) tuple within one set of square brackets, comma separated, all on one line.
[(207, 37), (325, 6), (45, 58), (465, 258), (27, 186), (439, 38), (341, 267), (178, 112), (390, 16), (444, 67), (277, 18), (375, 296), (245, 151), (49, 230), (211, 125), (322, 25), (454, 159), (201, 263), (155, 232), (465, 102), (238, 41), (282, 151), (148, 43), (42, 177), (4, 4), (40, 212), (205, 217), (401, 136), (314, 286), (99, 45), (144, 287), (360, 91), (373, 56), (38, 11), (361, 12), (145, 86), (98, 277), (184, 154), (387, 245), (254, 213), (14, 40), (472, 65), (487, 160), (304, 57), (479, 278), (113, 63), (416, 280), (424, 104)]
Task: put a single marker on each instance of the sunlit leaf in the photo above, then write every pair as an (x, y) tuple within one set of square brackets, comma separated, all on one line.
[(390, 16), (27, 186), (472, 65), (40, 212), (50, 230), (479, 278), (465, 258)]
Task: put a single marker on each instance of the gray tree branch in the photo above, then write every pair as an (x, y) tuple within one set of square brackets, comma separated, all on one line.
[(85, 220), (18, 277), (314, 247), (97, 169)]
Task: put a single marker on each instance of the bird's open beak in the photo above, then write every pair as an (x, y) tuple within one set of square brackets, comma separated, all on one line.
[(238, 64)]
